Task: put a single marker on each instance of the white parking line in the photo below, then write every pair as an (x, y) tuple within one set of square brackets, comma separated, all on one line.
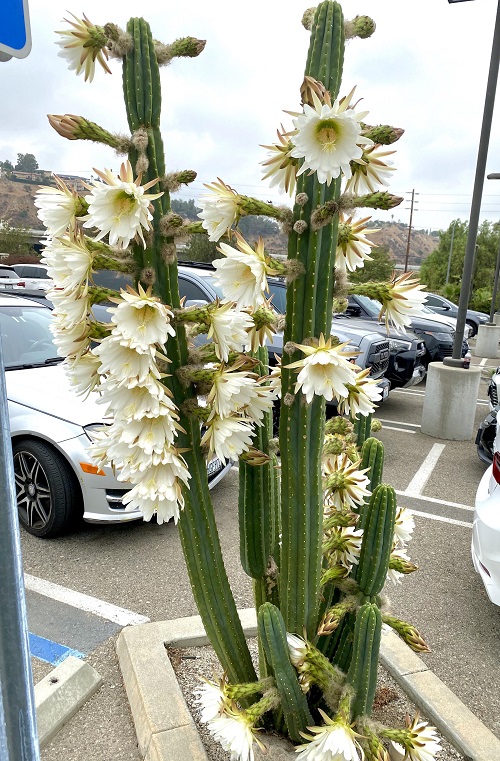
[(398, 422), (434, 500), (404, 391), (419, 480), (393, 428), (433, 517), (483, 361), (100, 608)]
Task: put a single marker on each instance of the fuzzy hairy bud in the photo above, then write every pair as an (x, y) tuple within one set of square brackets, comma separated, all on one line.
[(119, 42), (173, 181), (169, 253), (378, 200), (301, 199), (376, 425), (148, 276), (341, 288), (170, 224), (184, 47), (289, 399), (339, 306), (294, 269), (300, 226), (308, 18), (142, 164), (323, 215), (289, 347), (140, 139)]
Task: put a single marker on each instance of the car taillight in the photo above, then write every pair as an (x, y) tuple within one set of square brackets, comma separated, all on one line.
[(496, 467), (21, 284)]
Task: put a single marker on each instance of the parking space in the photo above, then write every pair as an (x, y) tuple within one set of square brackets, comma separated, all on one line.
[(140, 568)]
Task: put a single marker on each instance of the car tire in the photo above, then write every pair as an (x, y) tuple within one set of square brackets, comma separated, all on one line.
[(48, 495), (474, 328)]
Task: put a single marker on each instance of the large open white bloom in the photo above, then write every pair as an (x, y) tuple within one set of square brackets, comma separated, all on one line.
[(349, 545), (362, 395), (262, 400), (334, 741), (70, 341), (325, 370), (370, 171), (406, 297), (82, 372), (219, 209), (345, 484), (149, 399), (228, 329), (392, 574), (328, 137), (119, 207), (69, 263), (211, 699), (141, 319), (234, 732), (57, 207), (227, 437), (281, 167), (423, 742), (82, 46), (353, 247), (242, 274)]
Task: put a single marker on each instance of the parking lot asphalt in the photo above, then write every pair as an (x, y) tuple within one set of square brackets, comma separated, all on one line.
[(139, 568)]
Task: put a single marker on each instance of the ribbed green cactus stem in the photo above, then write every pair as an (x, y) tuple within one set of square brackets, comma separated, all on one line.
[(272, 633), (378, 536), (362, 428), (362, 674), (308, 313), (372, 457), (198, 531), (254, 498)]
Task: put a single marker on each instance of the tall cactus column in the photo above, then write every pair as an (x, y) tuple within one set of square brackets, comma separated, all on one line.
[(308, 313), (158, 267)]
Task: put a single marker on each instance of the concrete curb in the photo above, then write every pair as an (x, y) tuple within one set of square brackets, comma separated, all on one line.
[(60, 694), (165, 728)]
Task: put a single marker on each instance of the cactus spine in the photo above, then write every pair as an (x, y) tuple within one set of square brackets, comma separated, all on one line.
[(309, 313), (200, 541), (372, 457)]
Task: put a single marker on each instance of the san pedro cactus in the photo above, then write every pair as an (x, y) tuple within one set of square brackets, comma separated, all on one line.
[(319, 531)]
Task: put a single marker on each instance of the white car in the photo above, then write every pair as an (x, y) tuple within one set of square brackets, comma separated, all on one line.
[(10, 280), (424, 311), (35, 276), (486, 528), (56, 482)]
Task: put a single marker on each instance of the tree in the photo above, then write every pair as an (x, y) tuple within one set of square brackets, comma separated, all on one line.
[(7, 165), (26, 162), (14, 241), (378, 270), (200, 249), (185, 208)]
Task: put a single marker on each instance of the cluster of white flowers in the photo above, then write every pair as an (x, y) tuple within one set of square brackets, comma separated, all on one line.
[(141, 440)]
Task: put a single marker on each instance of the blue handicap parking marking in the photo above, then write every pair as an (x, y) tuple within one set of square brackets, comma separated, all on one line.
[(50, 652)]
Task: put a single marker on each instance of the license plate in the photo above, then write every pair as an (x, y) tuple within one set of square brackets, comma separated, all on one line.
[(385, 392), (8, 286), (214, 466)]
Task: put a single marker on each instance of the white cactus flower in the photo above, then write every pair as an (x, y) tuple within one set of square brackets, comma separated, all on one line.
[(404, 525), (345, 484), (423, 742), (228, 329), (211, 699), (126, 366), (348, 554), (57, 207), (242, 273), (150, 399), (119, 207), (334, 741), (281, 167), (69, 263), (370, 171), (83, 372), (261, 401), (325, 370), (141, 319), (230, 391), (219, 209), (234, 731), (353, 247), (297, 649), (396, 576), (361, 396), (328, 137), (406, 297), (82, 46), (228, 437)]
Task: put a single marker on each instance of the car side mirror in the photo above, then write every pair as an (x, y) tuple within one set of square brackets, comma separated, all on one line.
[(353, 311)]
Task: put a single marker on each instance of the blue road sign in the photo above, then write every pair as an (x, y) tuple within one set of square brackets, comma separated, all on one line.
[(15, 36)]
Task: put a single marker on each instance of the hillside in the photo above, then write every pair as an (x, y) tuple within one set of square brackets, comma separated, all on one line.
[(16, 204), (394, 235)]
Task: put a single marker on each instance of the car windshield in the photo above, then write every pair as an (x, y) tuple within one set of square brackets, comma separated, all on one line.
[(26, 336), (372, 306)]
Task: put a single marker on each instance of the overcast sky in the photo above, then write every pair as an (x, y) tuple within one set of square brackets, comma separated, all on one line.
[(425, 69)]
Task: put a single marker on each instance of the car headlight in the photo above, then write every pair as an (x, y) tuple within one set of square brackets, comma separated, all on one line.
[(484, 319), (396, 345), (94, 431), (438, 336)]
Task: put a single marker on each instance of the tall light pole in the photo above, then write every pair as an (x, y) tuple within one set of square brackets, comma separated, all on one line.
[(477, 192), (451, 251)]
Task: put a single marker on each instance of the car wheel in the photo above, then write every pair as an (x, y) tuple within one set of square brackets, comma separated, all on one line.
[(48, 497), (473, 327)]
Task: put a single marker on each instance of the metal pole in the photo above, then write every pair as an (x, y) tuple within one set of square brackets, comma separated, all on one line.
[(451, 252), (495, 289), (489, 104), (409, 230), (18, 736)]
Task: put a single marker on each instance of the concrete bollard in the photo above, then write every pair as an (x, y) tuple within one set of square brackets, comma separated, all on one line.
[(487, 340), (496, 318), (450, 402)]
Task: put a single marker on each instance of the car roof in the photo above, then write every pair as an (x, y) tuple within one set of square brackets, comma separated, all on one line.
[(30, 264)]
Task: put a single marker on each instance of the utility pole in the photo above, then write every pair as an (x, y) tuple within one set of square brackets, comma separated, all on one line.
[(412, 202)]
